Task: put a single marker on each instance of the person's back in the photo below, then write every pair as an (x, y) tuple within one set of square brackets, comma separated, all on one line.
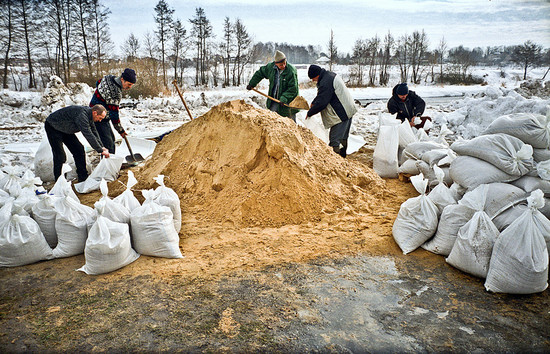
[(70, 119)]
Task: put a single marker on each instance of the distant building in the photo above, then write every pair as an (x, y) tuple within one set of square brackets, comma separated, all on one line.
[(322, 60)]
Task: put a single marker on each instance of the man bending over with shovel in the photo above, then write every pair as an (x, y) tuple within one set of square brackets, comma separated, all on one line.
[(108, 93), (283, 85), (61, 127)]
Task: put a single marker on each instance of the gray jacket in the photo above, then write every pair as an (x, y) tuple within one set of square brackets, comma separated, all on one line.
[(74, 119)]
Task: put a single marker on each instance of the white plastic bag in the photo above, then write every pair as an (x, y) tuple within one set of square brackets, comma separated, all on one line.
[(21, 241), (471, 172), (153, 229), (417, 219), (127, 198), (62, 187), (167, 197), (108, 245), (452, 218), (44, 214), (406, 134), (71, 224), (107, 169), (441, 195), (519, 264), (532, 129), (472, 249), (109, 209), (385, 152)]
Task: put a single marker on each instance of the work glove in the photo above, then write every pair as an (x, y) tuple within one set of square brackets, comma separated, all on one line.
[(248, 87)]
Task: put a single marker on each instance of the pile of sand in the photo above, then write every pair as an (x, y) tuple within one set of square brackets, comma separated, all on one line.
[(249, 167)]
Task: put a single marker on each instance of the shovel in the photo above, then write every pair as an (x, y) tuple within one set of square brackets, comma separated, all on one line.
[(132, 158), (298, 103)]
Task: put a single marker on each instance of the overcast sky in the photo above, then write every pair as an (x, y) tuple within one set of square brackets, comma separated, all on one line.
[(472, 23)]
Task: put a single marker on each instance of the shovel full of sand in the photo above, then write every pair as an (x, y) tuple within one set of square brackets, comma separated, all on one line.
[(298, 103)]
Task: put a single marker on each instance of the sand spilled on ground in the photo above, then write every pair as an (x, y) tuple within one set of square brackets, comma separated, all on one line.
[(258, 190)]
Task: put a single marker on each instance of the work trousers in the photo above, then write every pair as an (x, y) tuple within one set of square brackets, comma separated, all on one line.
[(106, 134), (338, 137), (56, 140)]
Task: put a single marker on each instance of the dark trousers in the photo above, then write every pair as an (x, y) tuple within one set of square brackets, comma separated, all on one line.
[(56, 140), (106, 134), (338, 137)]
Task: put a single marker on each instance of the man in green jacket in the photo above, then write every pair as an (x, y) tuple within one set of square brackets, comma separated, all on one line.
[(283, 84)]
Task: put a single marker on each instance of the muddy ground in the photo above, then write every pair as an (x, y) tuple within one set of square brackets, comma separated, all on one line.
[(340, 297)]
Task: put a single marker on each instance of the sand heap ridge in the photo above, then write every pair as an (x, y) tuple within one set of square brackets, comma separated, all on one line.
[(249, 166)]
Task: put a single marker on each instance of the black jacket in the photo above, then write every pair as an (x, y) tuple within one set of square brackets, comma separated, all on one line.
[(413, 105), (326, 94)]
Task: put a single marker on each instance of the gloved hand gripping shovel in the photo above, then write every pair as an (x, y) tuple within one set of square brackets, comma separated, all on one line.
[(298, 103)]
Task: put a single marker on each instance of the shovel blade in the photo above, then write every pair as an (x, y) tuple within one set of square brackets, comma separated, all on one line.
[(134, 158), (299, 103)]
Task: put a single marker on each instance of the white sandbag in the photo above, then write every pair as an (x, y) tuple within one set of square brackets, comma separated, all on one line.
[(418, 149), (71, 224), (545, 210), (127, 198), (452, 218), (530, 184), (508, 216), (108, 245), (507, 153), (10, 179), (447, 160), (543, 170), (441, 195), (458, 191), (432, 157), (44, 214), (429, 173), (417, 219), (499, 197), (471, 172), (315, 124), (167, 197), (113, 211), (530, 128), (21, 241), (540, 155), (409, 167), (62, 187), (153, 229), (106, 169), (519, 263), (385, 152), (406, 134), (472, 249), (43, 162)]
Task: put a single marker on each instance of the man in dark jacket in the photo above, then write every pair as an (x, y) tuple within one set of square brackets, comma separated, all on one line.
[(283, 84), (61, 127), (108, 93), (335, 104), (407, 104)]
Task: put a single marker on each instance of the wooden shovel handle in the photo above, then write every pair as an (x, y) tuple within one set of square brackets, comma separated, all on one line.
[(181, 96), (271, 98)]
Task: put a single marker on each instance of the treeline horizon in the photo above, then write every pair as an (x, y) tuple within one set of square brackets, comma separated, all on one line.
[(71, 39)]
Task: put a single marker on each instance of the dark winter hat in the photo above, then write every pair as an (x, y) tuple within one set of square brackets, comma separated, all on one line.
[(402, 89), (313, 71), (129, 75)]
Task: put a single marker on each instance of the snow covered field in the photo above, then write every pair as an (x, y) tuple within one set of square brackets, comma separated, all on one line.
[(466, 111)]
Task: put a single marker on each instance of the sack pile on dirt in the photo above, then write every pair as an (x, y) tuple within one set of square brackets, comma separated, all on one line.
[(494, 220), (36, 227), (249, 167)]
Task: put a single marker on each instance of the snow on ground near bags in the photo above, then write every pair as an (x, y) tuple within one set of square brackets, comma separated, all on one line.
[(108, 245), (417, 219), (71, 224), (108, 169), (506, 152), (21, 241), (473, 246), (127, 198), (153, 229), (385, 152), (44, 214), (471, 172), (532, 129), (167, 197), (109, 209), (519, 264)]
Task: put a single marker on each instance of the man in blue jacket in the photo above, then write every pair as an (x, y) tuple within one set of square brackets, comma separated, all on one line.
[(336, 106), (61, 127)]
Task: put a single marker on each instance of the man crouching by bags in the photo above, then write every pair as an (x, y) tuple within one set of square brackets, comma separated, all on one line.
[(61, 127), (336, 105)]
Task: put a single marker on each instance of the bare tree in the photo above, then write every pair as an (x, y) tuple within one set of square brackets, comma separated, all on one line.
[(201, 31), (83, 16), (359, 58), (24, 25), (164, 20), (403, 56), (526, 55), (462, 59), (418, 46), (385, 60), (130, 48), (372, 51), (178, 47), (6, 13), (226, 49), (103, 43), (242, 55), (332, 51), (441, 50)]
